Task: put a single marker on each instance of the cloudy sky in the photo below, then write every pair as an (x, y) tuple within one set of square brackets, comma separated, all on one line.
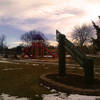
[(20, 16)]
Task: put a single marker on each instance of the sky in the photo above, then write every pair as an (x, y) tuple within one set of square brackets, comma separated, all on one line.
[(20, 16)]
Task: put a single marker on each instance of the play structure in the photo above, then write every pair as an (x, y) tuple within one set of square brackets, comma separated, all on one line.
[(37, 49), (84, 61)]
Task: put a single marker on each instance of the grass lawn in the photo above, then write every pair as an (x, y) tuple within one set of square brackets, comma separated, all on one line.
[(22, 78)]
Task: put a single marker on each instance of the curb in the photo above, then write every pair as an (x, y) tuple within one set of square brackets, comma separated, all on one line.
[(66, 88)]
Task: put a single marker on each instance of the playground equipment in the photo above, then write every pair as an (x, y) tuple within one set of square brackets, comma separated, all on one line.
[(37, 49), (80, 57)]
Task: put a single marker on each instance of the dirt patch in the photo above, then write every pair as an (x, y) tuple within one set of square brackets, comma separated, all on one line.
[(71, 84), (75, 81)]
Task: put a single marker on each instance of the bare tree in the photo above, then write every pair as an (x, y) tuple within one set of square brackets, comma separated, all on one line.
[(96, 42), (24, 38), (30, 36), (82, 35), (2, 42)]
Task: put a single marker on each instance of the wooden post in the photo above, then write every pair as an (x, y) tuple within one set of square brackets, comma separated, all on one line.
[(42, 50), (61, 51), (89, 71), (32, 49)]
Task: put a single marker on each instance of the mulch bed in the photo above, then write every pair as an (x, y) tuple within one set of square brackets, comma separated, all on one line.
[(74, 80)]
